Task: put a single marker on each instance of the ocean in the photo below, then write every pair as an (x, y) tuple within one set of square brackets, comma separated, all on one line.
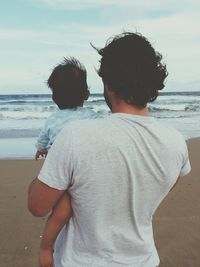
[(22, 116)]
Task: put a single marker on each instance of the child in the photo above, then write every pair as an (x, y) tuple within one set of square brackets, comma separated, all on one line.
[(69, 90)]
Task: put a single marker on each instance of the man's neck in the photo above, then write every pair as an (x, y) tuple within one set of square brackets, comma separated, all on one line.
[(121, 106)]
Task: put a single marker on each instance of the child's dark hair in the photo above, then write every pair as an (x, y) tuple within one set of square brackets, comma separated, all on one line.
[(68, 84), (132, 69)]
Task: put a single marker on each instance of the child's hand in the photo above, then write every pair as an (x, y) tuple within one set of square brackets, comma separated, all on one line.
[(46, 257), (41, 153)]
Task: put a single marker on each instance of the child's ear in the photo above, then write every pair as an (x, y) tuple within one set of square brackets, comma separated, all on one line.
[(87, 94)]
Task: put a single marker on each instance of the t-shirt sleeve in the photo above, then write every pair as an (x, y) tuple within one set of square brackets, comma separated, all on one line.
[(186, 167), (43, 138), (57, 169)]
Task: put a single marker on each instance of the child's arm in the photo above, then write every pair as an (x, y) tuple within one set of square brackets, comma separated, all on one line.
[(58, 218), (42, 141)]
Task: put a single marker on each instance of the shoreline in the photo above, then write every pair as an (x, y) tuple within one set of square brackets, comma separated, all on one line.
[(29, 149), (175, 223)]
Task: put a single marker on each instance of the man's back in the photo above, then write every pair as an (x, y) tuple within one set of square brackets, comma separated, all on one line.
[(117, 171)]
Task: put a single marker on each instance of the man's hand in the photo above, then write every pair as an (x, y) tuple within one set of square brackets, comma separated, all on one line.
[(41, 153)]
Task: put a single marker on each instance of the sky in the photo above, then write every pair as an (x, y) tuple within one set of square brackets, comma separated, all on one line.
[(35, 36)]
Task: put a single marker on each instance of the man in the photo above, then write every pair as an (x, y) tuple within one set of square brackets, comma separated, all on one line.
[(118, 169)]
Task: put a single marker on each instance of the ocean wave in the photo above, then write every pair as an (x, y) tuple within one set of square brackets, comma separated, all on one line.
[(174, 108), (49, 108), (26, 102), (39, 107), (194, 107), (23, 115), (16, 133), (165, 116), (96, 101)]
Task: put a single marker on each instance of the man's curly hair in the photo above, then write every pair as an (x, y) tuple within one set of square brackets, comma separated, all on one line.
[(132, 69)]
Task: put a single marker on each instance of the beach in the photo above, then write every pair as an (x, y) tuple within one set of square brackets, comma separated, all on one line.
[(176, 222)]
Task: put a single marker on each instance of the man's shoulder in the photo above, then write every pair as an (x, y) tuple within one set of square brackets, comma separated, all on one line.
[(171, 131), (170, 136)]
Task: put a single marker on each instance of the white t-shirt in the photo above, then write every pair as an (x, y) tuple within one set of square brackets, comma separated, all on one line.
[(117, 171)]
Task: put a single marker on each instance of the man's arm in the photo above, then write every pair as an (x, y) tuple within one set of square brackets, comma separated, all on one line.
[(54, 177), (42, 198)]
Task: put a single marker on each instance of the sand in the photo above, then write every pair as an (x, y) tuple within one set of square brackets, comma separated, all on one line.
[(176, 222)]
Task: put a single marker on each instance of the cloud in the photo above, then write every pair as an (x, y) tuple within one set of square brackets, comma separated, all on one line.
[(142, 4), (84, 4), (16, 35), (174, 33)]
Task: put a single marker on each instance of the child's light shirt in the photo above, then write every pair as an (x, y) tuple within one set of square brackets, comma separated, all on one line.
[(57, 121)]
